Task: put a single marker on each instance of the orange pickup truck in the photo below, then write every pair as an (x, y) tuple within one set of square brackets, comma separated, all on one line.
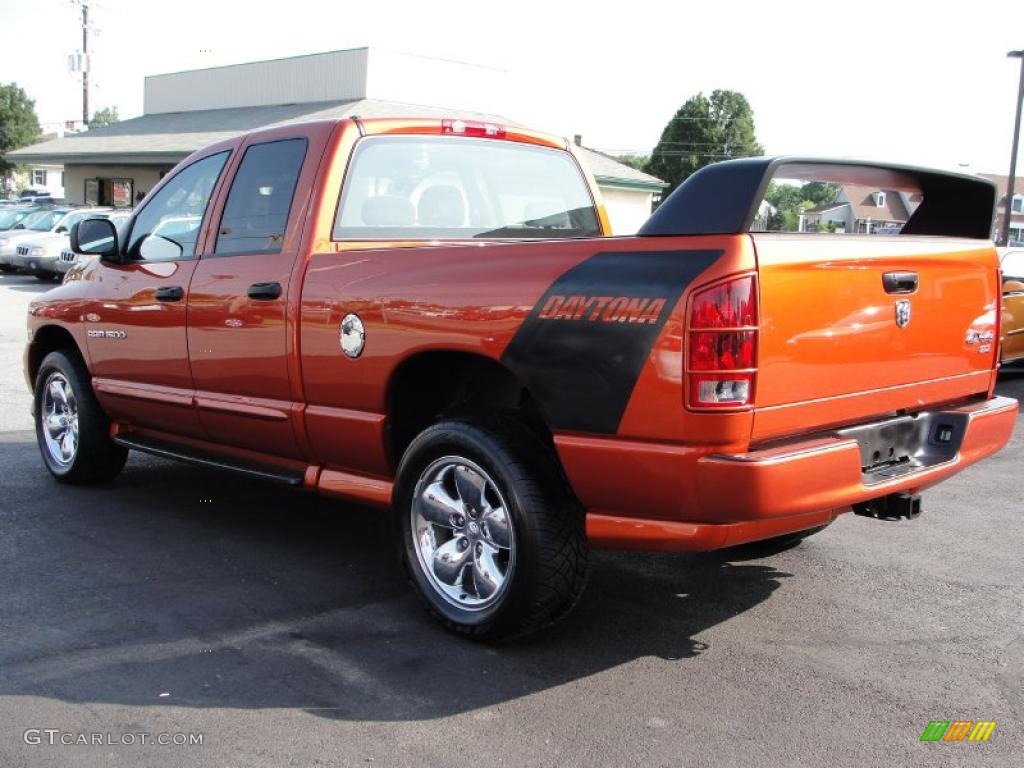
[(430, 317)]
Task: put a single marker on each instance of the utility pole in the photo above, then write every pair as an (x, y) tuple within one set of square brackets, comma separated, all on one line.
[(85, 64), (1005, 239), (79, 62)]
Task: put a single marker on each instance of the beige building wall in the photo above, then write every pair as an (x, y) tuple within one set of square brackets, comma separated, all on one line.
[(627, 209), (144, 178), (330, 76)]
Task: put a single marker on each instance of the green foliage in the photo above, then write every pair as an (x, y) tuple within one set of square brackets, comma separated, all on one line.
[(790, 199), (634, 160), (819, 192), (19, 125), (704, 131), (105, 116)]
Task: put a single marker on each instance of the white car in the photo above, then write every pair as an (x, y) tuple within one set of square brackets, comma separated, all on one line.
[(69, 258), (32, 226), (37, 247)]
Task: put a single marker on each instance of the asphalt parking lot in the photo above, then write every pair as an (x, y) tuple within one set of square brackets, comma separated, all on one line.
[(276, 624)]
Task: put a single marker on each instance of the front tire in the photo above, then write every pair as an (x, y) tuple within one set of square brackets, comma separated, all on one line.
[(72, 431), (490, 535)]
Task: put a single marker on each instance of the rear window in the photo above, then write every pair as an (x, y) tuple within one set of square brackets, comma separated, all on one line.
[(426, 188)]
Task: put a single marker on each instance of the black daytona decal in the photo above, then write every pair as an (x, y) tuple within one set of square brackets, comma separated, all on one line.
[(583, 346)]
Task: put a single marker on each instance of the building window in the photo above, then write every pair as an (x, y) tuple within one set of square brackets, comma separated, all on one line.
[(1018, 203), (39, 177), (880, 199)]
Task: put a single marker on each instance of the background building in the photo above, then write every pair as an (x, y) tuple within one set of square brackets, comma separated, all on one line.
[(184, 111), (862, 210)]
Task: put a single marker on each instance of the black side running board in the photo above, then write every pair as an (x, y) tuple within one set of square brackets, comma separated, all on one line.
[(203, 459)]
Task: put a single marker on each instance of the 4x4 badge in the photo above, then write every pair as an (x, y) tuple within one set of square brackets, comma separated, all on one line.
[(903, 313)]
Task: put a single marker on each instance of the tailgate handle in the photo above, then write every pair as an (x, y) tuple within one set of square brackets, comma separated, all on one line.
[(899, 282)]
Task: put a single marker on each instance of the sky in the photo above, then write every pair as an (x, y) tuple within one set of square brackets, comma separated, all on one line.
[(899, 81)]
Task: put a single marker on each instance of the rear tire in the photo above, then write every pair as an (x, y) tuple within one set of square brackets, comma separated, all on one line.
[(72, 430), (490, 535)]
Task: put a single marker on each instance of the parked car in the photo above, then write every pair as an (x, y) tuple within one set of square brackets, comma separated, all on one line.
[(1012, 330), (427, 317), (15, 249), (68, 258), (30, 196)]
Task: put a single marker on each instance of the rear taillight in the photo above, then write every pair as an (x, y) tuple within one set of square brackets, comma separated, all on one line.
[(721, 359)]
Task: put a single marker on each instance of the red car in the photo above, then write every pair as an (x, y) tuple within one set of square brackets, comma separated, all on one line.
[(427, 316)]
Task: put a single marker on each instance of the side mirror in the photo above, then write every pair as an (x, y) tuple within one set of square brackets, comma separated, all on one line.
[(61, 230), (96, 237)]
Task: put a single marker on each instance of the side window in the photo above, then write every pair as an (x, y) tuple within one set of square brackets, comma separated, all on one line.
[(168, 226), (257, 208)]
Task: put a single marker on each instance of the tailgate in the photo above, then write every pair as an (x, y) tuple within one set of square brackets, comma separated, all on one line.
[(851, 326), (860, 325)]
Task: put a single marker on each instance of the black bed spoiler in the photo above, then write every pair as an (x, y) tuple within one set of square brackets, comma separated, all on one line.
[(723, 198)]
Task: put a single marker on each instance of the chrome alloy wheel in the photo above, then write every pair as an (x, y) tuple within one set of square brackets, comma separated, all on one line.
[(462, 533), (58, 413)]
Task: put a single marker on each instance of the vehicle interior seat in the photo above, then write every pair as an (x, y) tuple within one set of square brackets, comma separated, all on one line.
[(388, 210), (442, 206)]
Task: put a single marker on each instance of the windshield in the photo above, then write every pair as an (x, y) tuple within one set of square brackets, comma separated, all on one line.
[(9, 218), (74, 218), (42, 221), (425, 188)]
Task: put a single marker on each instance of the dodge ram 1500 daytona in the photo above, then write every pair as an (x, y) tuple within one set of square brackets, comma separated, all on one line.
[(429, 316)]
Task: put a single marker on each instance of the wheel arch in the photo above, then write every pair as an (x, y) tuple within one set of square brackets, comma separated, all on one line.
[(435, 384), (47, 339)]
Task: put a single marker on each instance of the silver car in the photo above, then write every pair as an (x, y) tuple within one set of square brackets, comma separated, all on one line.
[(69, 258), (38, 249)]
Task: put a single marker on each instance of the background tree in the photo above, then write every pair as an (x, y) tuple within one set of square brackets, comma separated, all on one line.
[(634, 160), (819, 192), (19, 125), (790, 199), (704, 131), (105, 116)]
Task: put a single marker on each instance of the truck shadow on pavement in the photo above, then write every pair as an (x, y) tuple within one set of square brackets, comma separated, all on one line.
[(26, 283), (223, 592)]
